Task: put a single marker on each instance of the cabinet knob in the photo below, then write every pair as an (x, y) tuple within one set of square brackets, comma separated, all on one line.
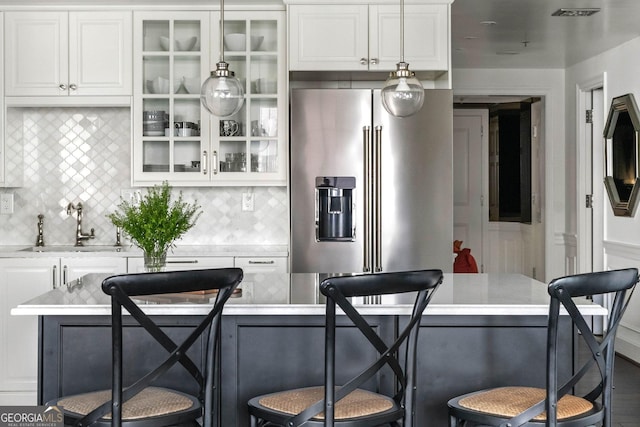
[(363, 61), (374, 61), (62, 86), (73, 86)]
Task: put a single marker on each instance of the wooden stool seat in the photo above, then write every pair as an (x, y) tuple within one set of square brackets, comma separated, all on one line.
[(150, 402), (358, 403), (510, 401)]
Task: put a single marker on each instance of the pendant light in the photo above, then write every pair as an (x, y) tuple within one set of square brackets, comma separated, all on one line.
[(402, 94), (222, 93)]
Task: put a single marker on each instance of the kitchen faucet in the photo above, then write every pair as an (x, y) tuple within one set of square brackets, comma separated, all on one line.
[(40, 238), (80, 236)]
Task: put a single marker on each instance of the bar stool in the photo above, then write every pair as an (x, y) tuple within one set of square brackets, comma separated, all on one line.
[(513, 406), (349, 405), (139, 403)]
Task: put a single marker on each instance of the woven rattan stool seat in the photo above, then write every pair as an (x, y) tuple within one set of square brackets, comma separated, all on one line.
[(358, 403), (510, 401), (150, 402)]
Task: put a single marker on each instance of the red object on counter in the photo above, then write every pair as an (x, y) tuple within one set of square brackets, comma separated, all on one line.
[(464, 262)]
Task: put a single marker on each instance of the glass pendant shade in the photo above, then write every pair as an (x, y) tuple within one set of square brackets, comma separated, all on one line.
[(402, 94), (222, 93)]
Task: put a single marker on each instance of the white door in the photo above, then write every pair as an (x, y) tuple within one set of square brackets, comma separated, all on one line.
[(470, 160), (100, 53), (36, 49), (589, 184), (600, 200), (73, 268), (426, 36), (21, 280), (328, 37)]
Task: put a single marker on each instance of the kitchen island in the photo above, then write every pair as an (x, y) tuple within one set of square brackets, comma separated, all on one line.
[(481, 330)]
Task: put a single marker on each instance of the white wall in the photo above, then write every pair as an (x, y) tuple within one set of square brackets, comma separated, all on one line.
[(548, 84), (621, 234)]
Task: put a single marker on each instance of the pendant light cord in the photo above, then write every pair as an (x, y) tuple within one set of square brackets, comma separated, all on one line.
[(401, 30), (221, 30)]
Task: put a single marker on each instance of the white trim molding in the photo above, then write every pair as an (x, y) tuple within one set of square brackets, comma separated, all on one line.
[(624, 255)]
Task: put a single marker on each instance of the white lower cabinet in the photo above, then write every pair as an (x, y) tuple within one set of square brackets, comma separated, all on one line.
[(20, 280), (73, 268), (136, 265), (248, 264), (262, 264)]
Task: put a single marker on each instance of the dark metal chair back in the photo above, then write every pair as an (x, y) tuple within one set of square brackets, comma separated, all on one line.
[(121, 289), (620, 283), (338, 290)]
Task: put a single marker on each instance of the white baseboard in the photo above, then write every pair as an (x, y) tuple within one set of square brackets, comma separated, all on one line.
[(628, 343)]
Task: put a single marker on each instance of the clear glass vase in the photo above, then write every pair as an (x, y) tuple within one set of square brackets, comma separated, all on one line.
[(154, 262)]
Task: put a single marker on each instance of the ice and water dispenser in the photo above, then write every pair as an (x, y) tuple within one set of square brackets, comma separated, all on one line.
[(335, 201)]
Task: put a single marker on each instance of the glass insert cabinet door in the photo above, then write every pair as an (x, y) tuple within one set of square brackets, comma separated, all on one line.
[(174, 137), (171, 132), (250, 143)]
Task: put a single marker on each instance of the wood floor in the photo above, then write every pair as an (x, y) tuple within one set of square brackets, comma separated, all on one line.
[(626, 395)]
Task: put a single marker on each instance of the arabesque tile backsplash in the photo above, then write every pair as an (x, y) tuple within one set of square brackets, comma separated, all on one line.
[(84, 155)]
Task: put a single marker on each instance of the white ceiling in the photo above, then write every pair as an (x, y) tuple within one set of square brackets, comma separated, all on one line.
[(552, 42)]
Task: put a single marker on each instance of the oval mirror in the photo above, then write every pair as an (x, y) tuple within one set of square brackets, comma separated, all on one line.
[(621, 155)]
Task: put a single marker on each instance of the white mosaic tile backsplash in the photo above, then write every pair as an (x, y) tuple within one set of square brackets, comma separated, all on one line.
[(83, 155)]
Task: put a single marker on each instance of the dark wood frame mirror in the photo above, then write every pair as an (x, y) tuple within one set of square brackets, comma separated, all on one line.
[(622, 155)]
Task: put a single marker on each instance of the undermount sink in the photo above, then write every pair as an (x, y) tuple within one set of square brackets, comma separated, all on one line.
[(71, 248)]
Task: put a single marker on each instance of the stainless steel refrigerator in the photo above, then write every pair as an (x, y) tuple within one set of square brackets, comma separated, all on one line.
[(370, 192)]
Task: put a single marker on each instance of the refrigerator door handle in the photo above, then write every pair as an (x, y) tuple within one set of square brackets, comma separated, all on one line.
[(368, 191), (377, 142)]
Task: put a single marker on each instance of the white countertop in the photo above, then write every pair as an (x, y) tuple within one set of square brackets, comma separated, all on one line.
[(298, 294), (133, 251)]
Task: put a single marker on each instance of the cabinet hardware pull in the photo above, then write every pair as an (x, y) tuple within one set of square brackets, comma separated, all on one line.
[(73, 86), (204, 162), (262, 262), (215, 162), (374, 61), (62, 86), (64, 275), (363, 61), (55, 276), (195, 261)]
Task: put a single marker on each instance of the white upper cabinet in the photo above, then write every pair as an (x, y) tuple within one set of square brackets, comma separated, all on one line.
[(367, 37), (328, 37), (68, 53)]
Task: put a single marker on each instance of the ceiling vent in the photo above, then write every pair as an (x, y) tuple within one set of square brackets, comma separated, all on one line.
[(579, 12)]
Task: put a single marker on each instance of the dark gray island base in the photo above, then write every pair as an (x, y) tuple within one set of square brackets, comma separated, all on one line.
[(267, 348)]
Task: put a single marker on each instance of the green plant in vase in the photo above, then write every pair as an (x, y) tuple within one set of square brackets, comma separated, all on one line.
[(155, 223)]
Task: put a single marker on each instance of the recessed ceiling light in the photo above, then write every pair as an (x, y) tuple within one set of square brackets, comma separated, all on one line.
[(577, 11), (488, 22)]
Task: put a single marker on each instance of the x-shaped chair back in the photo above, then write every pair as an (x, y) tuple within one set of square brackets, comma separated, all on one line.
[(122, 288)]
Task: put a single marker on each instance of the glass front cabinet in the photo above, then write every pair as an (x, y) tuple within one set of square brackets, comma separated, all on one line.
[(175, 138)]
